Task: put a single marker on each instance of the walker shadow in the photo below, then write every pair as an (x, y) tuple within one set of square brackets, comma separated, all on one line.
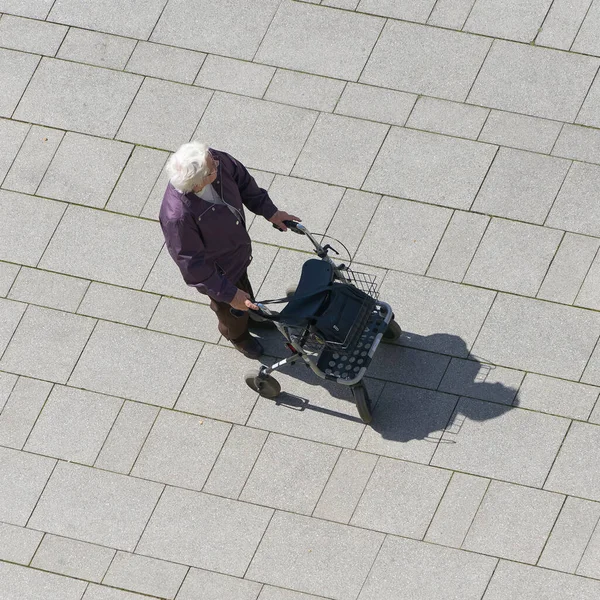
[(416, 409)]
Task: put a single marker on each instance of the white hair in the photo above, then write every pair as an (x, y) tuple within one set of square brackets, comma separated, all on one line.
[(187, 167)]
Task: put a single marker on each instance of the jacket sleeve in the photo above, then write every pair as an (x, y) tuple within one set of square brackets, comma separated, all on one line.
[(187, 249), (255, 198)]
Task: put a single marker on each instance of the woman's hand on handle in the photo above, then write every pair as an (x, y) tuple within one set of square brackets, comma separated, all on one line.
[(242, 301), (280, 216)]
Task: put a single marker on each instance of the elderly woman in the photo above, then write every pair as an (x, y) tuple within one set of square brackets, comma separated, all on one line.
[(204, 224)]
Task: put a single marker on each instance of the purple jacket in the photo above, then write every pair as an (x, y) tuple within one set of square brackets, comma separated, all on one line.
[(208, 242)]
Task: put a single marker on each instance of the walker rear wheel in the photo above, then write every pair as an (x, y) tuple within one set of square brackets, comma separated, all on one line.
[(266, 386), (363, 402), (393, 331)]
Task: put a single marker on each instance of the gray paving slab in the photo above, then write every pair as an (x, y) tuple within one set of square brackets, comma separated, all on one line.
[(98, 592), (457, 246), (430, 61), (586, 40), (513, 20), (408, 423), (33, 159), (23, 478), (7, 384), (521, 185), (449, 118), (290, 474), (235, 29), (417, 230), (236, 459), (274, 593), (73, 425), (28, 35), (186, 319), (205, 531), (348, 4), (432, 312), (8, 274), (95, 506), (404, 9), (237, 76), (513, 522), (304, 90), (165, 62), (216, 586), (90, 243), (180, 449), (520, 131), (588, 566), (12, 313), (588, 295), (575, 467), (407, 569), (13, 135), (512, 580), (16, 69), (48, 289), (450, 13), (574, 208), (530, 441), (345, 486), (534, 81), (36, 9), (94, 48), (562, 23), (145, 575), (430, 168), (340, 150), (314, 556), (73, 558), (151, 208), (47, 344), (263, 135), (513, 257), (21, 583), (17, 544), (570, 536), (102, 16), (164, 114), (118, 304), (135, 364), (595, 416), (456, 510), (557, 396), (580, 143), (59, 92), (400, 498), (569, 268), (538, 336), (126, 437), (478, 380), (588, 115), (216, 387), (321, 41), (22, 410)]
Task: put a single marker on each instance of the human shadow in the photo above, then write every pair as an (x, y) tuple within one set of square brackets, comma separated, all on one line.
[(432, 384)]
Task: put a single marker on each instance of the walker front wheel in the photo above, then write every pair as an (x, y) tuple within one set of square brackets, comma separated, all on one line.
[(363, 402), (266, 386)]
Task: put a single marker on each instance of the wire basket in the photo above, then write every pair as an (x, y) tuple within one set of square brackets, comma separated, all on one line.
[(365, 282)]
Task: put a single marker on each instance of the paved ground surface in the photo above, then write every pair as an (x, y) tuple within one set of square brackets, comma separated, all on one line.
[(454, 146)]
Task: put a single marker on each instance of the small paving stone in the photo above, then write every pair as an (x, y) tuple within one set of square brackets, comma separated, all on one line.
[(314, 556), (402, 9), (73, 558), (302, 89), (401, 498), (8, 274), (407, 569), (145, 575), (450, 13), (588, 115), (205, 531), (95, 506), (37, 37), (152, 205), (562, 23), (58, 96), (580, 143), (588, 567), (36, 9), (7, 384), (186, 319), (12, 313), (592, 370), (22, 410), (17, 544), (290, 474), (430, 61), (91, 47), (12, 135), (586, 40), (456, 510), (471, 441), (23, 477), (216, 586), (319, 40), (376, 104), (165, 62), (570, 535), (16, 69), (513, 522)]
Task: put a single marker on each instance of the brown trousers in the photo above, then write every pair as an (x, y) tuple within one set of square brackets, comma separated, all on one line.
[(233, 328)]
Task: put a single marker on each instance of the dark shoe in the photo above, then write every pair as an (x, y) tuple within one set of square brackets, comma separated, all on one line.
[(250, 347)]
